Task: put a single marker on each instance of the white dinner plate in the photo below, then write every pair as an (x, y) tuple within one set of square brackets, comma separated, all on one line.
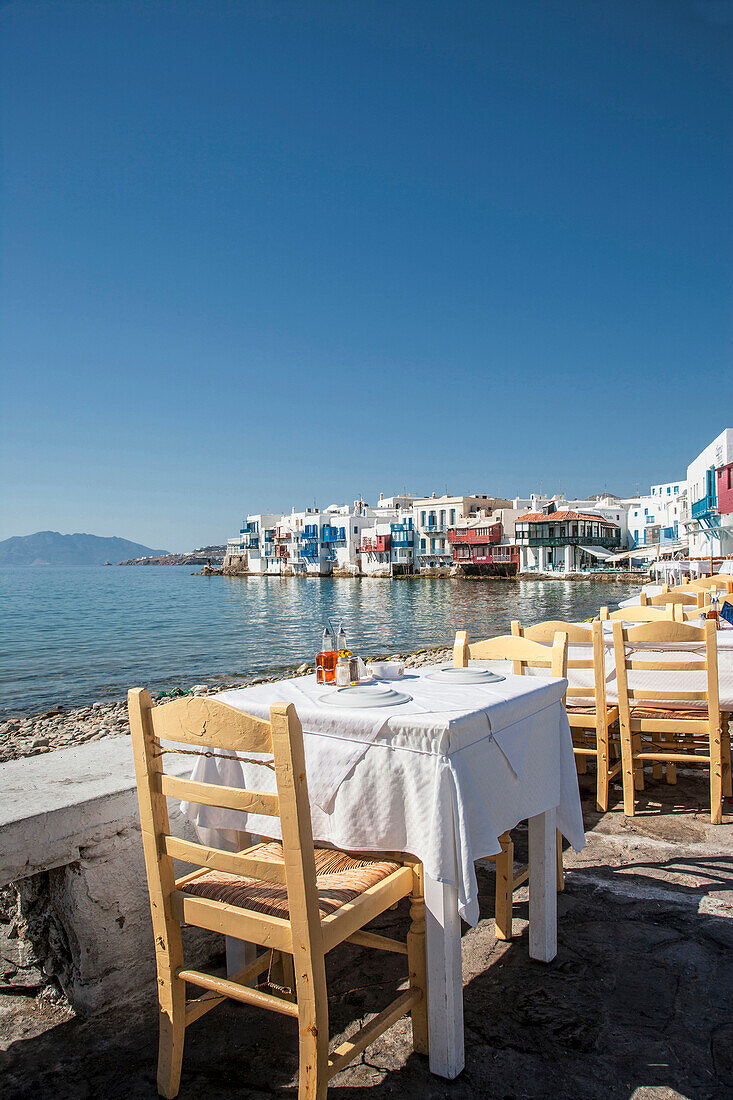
[(365, 695), (451, 675)]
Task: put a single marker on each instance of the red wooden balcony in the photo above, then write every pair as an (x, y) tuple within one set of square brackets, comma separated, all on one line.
[(378, 545), (490, 533)]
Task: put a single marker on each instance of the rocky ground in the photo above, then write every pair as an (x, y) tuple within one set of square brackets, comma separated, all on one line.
[(59, 727), (636, 1004)]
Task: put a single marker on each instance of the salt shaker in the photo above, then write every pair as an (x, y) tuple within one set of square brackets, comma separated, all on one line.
[(342, 672)]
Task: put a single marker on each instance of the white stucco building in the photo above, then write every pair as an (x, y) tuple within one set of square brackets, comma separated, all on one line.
[(710, 531)]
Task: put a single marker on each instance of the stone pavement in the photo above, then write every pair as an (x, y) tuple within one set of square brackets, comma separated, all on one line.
[(638, 1002)]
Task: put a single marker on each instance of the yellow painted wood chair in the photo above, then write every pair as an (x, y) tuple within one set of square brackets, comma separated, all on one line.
[(294, 899), (523, 654), (721, 582), (654, 722), (665, 599), (589, 714), (639, 614)]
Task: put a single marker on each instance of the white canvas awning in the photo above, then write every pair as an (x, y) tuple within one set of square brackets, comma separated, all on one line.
[(596, 551), (639, 553)]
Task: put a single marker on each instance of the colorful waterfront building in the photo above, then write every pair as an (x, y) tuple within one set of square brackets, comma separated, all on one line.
[(434, 516), (565, 541), (709, 528)]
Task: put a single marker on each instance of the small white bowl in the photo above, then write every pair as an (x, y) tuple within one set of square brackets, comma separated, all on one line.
[(386, 670)]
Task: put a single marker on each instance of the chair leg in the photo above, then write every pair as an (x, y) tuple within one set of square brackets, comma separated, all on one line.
[(602, 764), (282, 973), (313, 1033), (581, 760), (670, 767), (171, 1032), (726, 755), (418, 963), (716, 777), (627, 770), (559, 872), (638, 764), (504, 863)]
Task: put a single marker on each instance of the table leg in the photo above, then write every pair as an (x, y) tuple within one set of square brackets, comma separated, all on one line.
[(445, 979), (239, 953), (542, 887)]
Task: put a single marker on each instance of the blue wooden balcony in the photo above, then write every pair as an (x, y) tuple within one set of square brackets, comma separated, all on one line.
[(402, 534), (333, 534), (704, 508)]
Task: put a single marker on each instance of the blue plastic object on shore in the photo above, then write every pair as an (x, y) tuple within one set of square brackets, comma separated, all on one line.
[(726, 612)]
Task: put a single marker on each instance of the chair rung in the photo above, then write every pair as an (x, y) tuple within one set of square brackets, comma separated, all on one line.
[(520, 878), (366, 1035), (227, 988), (199, 1007), (380, 943), (673, 757), (584, 752)]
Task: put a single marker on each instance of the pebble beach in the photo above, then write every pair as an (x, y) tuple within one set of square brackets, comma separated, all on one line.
[(61, 727)]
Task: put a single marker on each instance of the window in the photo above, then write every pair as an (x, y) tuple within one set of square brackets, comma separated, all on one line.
[(676, 488), (452, 516), (669, 490), (422, 518), (422, 543)]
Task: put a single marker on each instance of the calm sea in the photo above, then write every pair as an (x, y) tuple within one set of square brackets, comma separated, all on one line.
[(78, 635)]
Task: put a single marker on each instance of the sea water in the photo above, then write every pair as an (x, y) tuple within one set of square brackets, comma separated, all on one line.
[(75, 635)]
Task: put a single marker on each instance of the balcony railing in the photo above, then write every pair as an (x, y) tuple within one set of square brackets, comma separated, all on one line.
[(707, 506), (572, 540), (474, 538), (333, 534), (378, 545), (433, 527)]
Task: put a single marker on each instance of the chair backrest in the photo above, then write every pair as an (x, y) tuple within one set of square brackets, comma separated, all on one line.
[(590, 636), (721, 581), (669, 638), (214, 726), (663, 599), (521, 651), (639, 614)]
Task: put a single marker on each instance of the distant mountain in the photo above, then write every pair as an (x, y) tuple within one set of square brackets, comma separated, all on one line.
[(51, 548)]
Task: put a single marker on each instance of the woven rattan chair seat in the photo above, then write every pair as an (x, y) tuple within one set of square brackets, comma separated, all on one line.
[(669, 712), (339, 879)]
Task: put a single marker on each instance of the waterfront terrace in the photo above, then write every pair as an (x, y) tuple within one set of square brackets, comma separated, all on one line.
[(564, 541)]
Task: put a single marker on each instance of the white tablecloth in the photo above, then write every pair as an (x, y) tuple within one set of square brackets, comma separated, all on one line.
[(670, 681), (440, 778)]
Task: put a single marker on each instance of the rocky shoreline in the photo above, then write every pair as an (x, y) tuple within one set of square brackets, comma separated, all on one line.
[(61, 727)]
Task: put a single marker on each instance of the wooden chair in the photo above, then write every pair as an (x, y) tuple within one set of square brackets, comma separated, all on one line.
[(720, 581), (295, 900), (523, 654), (655, 725), (638, 614), (665, 599), (589, 714)]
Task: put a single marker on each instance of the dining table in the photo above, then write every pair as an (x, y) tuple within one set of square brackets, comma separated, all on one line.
[(439, 775), (669, 680)]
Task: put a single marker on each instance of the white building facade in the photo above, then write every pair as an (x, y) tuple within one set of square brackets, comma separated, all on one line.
[(710, 532)]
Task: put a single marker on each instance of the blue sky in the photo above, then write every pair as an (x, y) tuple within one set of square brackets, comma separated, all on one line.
[(260, 253)]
